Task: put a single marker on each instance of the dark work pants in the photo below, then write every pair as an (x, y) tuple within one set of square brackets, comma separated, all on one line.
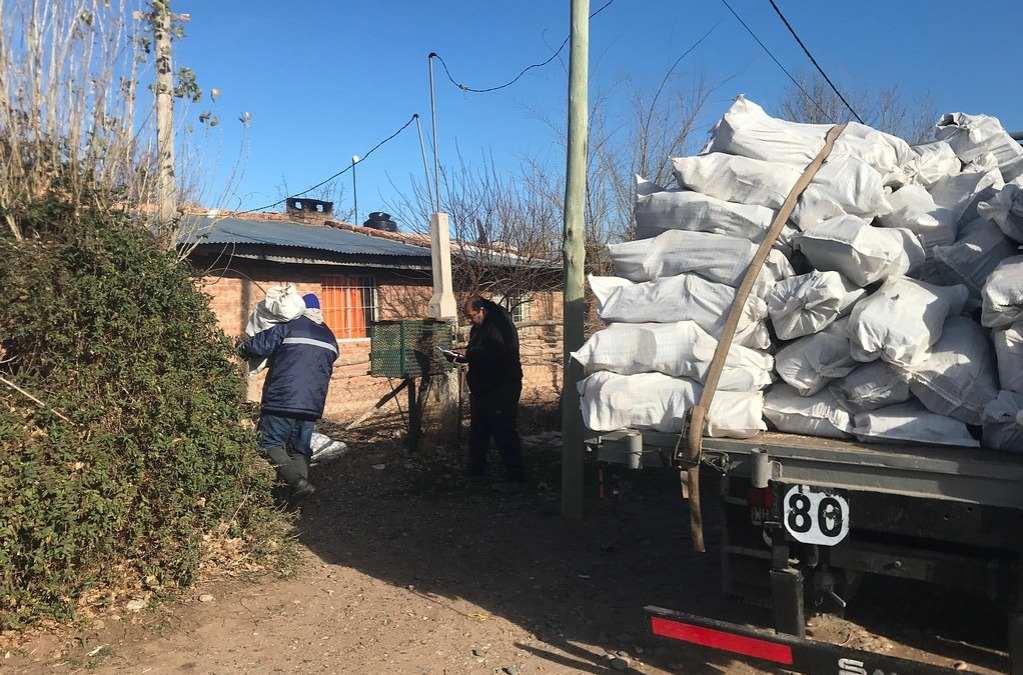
[(494, 414), (285, 443)]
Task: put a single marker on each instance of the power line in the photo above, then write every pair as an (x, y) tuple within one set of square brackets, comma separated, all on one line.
[(764, 47), (814, 62), (341, 172), (524, 70)]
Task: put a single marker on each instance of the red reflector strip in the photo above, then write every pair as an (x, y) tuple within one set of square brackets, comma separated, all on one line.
[(738, 644)]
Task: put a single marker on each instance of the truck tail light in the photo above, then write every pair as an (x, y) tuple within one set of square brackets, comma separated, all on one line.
[(762, 497)]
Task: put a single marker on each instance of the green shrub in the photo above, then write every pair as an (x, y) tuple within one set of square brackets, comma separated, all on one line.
[(135, 447)]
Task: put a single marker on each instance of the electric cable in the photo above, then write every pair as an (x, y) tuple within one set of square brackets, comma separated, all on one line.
[(777, 62), (339, 173), (814, 62), (524, 70)]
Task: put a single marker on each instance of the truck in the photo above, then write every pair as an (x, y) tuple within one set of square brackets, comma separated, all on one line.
[(805, 518)]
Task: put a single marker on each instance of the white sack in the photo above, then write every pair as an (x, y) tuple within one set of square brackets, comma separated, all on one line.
[(745, 129), (280, 304), (1008, 345), (714, 257), (930, 162), (958, 193), (609, 401), (981, 247), (974, 135), (901, 320), (1002, 422), (811, 362), (808, 303), (680, 298), (911, 422), (817, 415), (1002, 295), (846, 186), (1005, 209), (959, 375), (862, 253), (913, 208), (325, 448), (680, 349), (658, 210), (870, 386)]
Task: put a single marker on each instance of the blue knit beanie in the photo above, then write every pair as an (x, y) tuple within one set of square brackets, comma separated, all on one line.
[(311, 301)]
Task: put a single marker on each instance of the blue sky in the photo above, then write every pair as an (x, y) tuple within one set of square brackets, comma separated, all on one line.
[(324, 80)]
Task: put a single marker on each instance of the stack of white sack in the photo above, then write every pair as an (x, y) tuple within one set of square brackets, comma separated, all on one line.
[(890, 308)]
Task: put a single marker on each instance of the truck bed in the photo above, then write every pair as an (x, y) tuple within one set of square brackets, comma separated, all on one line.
[(970, 475)]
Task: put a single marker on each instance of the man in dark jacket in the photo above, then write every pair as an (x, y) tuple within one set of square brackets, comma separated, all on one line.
[(300, 355), (495, 382)]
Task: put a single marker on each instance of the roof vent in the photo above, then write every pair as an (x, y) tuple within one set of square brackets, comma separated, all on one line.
[(379, 220)]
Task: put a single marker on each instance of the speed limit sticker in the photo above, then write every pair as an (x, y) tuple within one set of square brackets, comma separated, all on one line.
[(815, 517)]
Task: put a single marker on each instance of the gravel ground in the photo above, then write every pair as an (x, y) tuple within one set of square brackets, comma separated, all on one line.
[(407, 570)]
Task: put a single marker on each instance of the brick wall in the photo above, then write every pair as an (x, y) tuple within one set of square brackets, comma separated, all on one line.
[(401, 295)]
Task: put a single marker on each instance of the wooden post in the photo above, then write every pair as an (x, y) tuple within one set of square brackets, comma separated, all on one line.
[(574, 251)]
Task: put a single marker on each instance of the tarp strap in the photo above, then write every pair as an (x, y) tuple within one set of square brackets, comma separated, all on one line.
[(693, 431)]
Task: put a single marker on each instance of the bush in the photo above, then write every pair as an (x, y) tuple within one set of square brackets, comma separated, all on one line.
[(126, 443)]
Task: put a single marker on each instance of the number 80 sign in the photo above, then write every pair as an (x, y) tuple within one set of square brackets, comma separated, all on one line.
[(815, 517)]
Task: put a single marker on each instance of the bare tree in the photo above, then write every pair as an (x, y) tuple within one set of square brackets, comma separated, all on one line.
[(73, 121), (812, 100)]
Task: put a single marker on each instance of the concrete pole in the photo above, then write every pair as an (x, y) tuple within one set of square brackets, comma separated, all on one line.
[(574, 252), (442, 305)]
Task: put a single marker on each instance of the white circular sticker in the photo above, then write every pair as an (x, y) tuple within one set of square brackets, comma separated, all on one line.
[(814, 516)]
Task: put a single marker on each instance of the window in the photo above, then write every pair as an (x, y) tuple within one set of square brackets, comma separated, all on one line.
[(518, 308), (349, 305)]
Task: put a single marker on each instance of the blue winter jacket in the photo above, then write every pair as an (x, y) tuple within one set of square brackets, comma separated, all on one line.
[(300, 354)]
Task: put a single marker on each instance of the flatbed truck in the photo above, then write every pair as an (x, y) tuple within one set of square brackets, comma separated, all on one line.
[(806, 517)]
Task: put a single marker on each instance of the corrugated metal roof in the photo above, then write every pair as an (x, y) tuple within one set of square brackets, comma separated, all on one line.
[(241, 231)]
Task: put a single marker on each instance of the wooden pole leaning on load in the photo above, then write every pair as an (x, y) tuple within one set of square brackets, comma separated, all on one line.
[(693, 431)]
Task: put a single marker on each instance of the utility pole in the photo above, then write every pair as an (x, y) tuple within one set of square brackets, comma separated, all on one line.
[(166, 192), (574, 253)]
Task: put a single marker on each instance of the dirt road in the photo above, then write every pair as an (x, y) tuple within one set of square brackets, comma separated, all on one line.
[(408, 571)]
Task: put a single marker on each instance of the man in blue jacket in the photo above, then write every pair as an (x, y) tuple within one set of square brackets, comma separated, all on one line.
[(300, 355)]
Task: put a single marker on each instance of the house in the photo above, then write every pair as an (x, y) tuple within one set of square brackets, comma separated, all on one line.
[(363, 276)]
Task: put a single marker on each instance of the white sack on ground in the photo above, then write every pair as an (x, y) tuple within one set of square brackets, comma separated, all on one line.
[(658, 210), (974, 135), (811, 362), (745, 129), (1005, 209), (714, 257), (930, 163), (862, 253), (679, 349), (1008, 345), (914, 209), (1002, 295), (680, 298), (817, 415), (870, 386), (902, 319), (911, 422), (1002, 422), (959, 375), (808, 303), (981, 247), (326, 448), (655, 401), (280, 304), (958, 193)]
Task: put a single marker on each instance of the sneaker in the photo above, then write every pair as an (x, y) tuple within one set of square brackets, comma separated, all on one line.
[(300, 491), (509, 487)]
